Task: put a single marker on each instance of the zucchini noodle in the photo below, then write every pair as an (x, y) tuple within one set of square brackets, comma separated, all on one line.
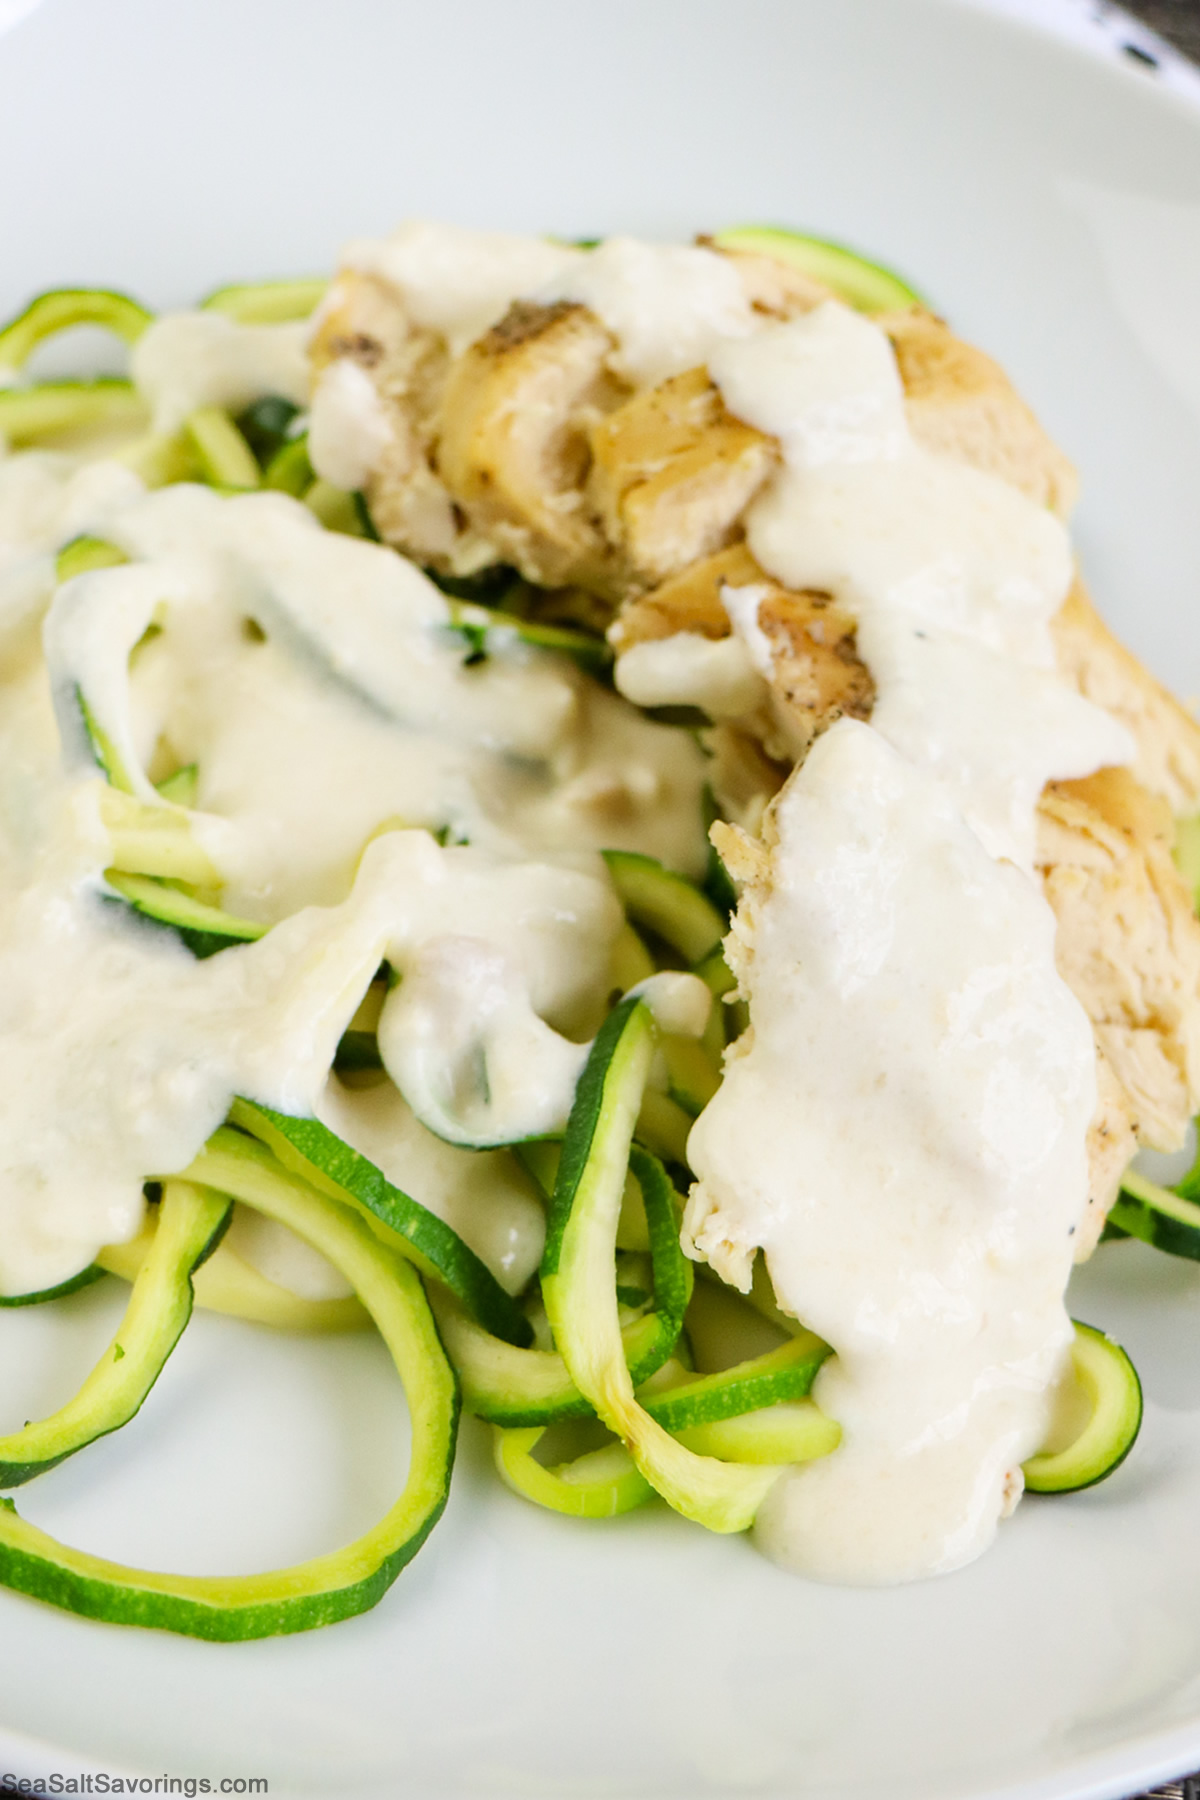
[(594, 1337)]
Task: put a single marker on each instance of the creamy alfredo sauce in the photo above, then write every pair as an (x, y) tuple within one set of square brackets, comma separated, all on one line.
[(954, 576), (188, 360), (666, 305), (318, 685), (902, 1130), (458, 282)]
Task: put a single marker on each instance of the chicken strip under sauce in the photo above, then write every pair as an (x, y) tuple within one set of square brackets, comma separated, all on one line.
[(526, 448)]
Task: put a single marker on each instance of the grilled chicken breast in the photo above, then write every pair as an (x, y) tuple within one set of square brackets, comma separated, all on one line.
[(526, 448)]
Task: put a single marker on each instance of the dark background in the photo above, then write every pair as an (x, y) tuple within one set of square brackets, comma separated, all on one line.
[(1177, 20)]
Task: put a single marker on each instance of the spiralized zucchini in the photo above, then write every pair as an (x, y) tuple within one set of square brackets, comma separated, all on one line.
[(53, 409), (587, 1341), (330, 1587), (191, 1221), (60, 310), (268, 302)]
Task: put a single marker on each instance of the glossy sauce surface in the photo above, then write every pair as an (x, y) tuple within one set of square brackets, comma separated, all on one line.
[(336, 724), (902, 1132), (902, 1129)]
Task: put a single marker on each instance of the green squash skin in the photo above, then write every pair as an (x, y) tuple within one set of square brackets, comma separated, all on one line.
[(319, 1156), (326, 1588), (113, 1402), (85, 1278)]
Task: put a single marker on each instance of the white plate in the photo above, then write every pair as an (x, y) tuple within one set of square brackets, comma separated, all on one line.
[(1051, 204)]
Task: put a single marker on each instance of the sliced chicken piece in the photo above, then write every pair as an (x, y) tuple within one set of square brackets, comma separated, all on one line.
[(409, 504), (672, 473), (490, 459), (526, 448), (1166, 735), (1111, 1146), (690, 601), (1112, 1139), (1128, 941), (673, 470), (513, 448), (363, 321), (962, 404), (667, 473), (817, 675)]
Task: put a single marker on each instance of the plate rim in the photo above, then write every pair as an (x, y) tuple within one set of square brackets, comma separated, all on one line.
[(1150, 1758)]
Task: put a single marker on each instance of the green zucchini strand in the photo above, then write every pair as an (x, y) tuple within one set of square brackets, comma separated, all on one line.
[(317, 1155), (64, 307), (577, 1284), (191, 1223), (326, 1588)]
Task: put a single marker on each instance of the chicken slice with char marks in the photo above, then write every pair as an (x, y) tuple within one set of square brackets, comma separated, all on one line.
[(363, 321), (639, 498), (512, 446), (526, 448), (1128, 943), (672, 472), (817, 675)]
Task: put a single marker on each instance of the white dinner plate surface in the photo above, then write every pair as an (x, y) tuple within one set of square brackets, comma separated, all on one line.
[(1050, 206)]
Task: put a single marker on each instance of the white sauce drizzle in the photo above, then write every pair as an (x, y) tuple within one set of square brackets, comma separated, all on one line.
[(120, 1053), (667, 305), (903, 1132), (953, 575), (459, 282), (348, 426), (687, 669), (363, 681), (187, 360), (903, 1127), (347, 711)]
